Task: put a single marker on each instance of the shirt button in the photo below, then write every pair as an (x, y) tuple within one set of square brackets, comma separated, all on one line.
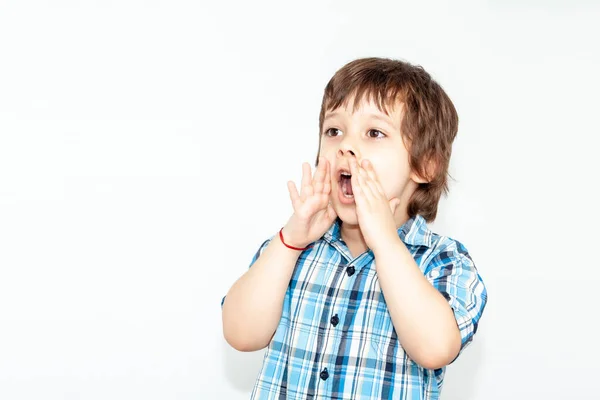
[(324, 374), (350, 270), (335, 320)]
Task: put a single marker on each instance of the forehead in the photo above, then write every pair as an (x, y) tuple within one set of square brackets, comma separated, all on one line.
[(367, 104)]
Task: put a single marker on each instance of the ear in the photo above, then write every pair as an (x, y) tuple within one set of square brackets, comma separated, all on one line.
[(417, 178), (430, 173)]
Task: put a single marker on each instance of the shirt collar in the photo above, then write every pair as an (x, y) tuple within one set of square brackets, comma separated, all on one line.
[(334, 233), (413, 232)]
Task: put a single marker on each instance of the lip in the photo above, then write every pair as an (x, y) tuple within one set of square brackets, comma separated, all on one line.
[(339, 171), (342, 199)]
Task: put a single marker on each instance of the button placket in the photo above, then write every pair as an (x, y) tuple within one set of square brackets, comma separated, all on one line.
[(335, 319)]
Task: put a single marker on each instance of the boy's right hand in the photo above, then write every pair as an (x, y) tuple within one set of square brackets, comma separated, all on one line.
[(313, 215)]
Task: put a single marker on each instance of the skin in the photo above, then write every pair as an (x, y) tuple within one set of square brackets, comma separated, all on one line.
[(368, 143)]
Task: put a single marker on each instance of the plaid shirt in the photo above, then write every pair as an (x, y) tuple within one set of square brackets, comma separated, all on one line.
[(335, 339)]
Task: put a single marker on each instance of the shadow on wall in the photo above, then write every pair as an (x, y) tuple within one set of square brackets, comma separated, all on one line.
[(462, 376), (241, 369)]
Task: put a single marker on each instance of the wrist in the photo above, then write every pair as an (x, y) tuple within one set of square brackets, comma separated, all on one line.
[(284, 237), (385, 242)]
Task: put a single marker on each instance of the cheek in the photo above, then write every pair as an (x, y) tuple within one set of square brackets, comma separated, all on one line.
[(387, 182), (390, 178), (328, 152), (326, 145)]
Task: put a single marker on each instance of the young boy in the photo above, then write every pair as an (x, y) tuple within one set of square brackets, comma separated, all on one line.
[(355, 297)]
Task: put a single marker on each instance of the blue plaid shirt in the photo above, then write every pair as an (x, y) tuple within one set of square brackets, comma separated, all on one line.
[(335, 339)]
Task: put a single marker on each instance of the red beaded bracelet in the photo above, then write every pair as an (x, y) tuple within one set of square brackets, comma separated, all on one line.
[(291, 247)]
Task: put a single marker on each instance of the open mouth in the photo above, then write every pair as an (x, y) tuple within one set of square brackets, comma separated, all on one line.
[(346, 184)]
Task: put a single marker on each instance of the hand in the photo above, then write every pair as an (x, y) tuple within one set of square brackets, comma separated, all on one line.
[(313, 214), (374, 211)]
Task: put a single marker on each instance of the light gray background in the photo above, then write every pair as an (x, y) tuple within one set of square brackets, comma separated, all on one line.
[(145, 148)]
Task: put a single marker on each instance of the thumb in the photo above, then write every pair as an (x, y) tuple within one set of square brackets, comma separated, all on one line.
[(331, 214), (394, 203)]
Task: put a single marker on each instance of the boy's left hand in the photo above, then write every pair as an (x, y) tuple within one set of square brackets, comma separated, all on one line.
[(374, 211)]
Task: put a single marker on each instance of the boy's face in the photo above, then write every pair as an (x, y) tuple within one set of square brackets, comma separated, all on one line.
[(371, 134)]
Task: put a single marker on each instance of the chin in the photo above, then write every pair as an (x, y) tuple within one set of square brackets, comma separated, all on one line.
[(347, 214)]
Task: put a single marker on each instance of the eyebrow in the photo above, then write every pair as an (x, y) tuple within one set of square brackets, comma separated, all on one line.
[(374, 116), (382, 119), (330, 115)]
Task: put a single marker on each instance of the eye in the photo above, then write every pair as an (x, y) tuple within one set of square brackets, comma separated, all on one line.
[(332, 132), (375, 134)]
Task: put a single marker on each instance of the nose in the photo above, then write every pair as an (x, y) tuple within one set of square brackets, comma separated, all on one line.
[(347, 149), (342, 153)]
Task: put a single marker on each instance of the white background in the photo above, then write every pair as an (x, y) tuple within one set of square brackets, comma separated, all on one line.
[(145, 148)]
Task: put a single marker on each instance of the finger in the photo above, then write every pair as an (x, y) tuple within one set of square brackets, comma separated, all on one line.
[(294, 196), (315, 204), (306, 189), (320, 170), (368, 166), (394, 203), (327, 184), (331, 213), (362, 178), (357, 187), (319, 177), (370, 183)]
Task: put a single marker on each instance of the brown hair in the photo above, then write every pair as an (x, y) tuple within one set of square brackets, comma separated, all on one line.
[(429, 124)]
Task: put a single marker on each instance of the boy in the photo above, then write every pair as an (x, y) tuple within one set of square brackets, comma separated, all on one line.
[(355, 297)]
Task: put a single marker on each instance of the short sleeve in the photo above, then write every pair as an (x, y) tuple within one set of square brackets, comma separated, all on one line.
[(455, 276), (256, 255)]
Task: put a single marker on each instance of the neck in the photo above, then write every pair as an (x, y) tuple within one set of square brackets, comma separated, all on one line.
[(352, 235)]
